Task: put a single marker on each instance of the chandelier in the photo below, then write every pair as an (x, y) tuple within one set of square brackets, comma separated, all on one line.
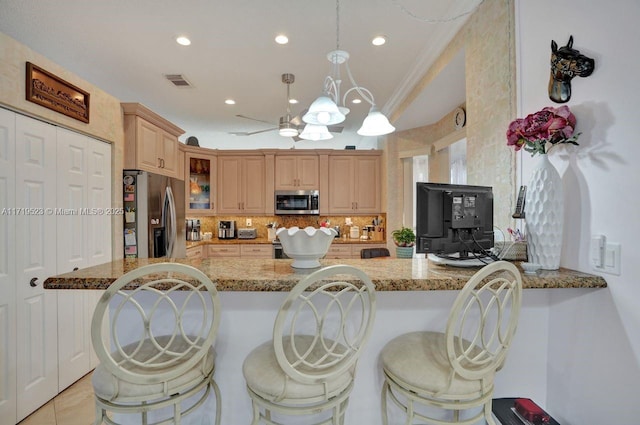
[(329, 108)]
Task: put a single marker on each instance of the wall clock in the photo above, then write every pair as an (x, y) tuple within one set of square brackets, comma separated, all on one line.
[(459, 118)]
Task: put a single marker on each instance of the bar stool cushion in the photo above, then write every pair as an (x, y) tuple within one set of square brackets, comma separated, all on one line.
[(419, 360), (109, 387), (266, 378)]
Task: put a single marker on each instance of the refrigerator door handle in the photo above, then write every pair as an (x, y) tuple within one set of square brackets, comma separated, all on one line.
[(170, 221)]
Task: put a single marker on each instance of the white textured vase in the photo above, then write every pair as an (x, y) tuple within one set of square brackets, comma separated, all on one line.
[(544, 214)]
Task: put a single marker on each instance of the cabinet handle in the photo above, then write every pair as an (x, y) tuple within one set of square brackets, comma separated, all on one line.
[(33, 282), (75, 269), (162, 162)]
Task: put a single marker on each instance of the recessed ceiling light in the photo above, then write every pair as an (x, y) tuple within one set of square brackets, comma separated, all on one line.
[(356, 100), (293, 101), (230, 102), (282, 39), (184, 41), (379, 40)]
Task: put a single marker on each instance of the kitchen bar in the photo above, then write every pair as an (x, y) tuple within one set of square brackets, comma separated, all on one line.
[(277, 275), (412, 295)]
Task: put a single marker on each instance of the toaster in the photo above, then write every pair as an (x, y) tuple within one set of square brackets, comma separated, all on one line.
[(247, 234)]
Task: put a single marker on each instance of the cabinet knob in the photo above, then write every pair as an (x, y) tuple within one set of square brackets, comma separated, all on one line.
[(75, 269), (33, 282)]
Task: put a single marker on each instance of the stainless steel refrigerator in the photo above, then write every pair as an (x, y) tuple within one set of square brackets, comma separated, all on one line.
[(154, 215)]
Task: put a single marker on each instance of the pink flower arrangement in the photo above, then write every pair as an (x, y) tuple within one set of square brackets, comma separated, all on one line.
[(548, 126)]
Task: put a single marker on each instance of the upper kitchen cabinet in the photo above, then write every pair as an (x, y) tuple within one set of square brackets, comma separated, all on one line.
[(296, 172), (200, 180), (241, 184), (151, 142), (355, 183)]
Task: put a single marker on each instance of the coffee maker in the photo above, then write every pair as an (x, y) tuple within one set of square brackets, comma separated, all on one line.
[(193, 230), (226, 229)]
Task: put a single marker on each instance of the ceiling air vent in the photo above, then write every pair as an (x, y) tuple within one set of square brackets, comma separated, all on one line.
[(178, 80)]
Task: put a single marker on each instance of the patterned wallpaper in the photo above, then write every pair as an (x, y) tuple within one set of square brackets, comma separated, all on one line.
[(489, 48)]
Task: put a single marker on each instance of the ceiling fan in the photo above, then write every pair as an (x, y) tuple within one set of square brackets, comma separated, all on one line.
[(288, 126)]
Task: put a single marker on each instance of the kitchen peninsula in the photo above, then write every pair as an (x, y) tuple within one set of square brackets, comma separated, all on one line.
[(277, 275), (411, 295)]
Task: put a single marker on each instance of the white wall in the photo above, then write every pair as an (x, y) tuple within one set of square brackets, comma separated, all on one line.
[(594, 337)]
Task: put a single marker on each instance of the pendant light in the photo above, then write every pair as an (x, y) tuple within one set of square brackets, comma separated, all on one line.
[(326, 109)]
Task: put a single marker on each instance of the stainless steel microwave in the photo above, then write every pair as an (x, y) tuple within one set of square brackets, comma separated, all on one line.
[(297, 202)]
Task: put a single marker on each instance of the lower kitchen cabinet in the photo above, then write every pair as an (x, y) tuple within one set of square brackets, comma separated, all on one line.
[(339, 251), (345, 251), (256, 251), (195, 252), (226, 250), (243, 250)]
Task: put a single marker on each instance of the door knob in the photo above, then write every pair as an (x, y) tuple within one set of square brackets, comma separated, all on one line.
[(33, 282)]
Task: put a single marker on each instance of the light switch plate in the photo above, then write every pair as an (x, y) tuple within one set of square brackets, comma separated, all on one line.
[(612, 258)]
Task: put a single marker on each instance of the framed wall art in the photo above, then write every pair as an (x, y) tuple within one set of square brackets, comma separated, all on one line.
[(54, 93)]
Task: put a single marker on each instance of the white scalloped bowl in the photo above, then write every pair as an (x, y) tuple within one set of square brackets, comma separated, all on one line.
[(306, 246)]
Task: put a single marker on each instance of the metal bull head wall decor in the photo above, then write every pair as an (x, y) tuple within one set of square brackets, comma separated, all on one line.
[(566, 63)]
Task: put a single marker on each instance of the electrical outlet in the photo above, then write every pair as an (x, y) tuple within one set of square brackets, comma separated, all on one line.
[(249, 222)]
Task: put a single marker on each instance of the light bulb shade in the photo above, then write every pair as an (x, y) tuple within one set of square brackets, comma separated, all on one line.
[(375, 124), (315, 132), (288, 132), (286, 128), (323, 111)]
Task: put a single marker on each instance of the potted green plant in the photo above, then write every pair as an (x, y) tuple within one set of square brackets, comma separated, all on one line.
[(405, 239)]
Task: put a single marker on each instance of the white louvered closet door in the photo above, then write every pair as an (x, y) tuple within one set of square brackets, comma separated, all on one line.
[(35, 246)]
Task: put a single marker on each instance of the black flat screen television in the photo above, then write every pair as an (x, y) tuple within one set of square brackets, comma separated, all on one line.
[(454, 221)]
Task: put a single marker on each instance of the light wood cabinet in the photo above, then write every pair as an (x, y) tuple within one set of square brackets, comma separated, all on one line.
[(241, 184), (346, 251), (297, 172), (200, 182), (151, 142), (226, 250), (195, 252), (354, 184), (339, 251), (241, 250), (256, 251)]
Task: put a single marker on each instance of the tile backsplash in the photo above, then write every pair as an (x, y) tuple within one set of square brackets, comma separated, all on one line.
[(210, 224)]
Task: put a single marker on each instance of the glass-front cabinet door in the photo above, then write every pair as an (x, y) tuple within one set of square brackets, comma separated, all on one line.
[(200, 170)]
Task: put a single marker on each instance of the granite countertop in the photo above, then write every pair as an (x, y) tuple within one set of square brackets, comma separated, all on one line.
[(264, 275), (216, 241)]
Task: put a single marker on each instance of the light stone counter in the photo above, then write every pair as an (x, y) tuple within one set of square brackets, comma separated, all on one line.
[(276, 275)]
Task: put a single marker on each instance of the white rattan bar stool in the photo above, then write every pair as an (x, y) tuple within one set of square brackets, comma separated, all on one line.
[(454, 370), (162, 328), (308, 367)]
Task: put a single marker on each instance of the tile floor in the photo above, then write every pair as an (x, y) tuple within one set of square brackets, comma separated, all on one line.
[(73, 406)]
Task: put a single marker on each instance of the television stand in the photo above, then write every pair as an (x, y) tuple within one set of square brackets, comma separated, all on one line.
[(460, 262)]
